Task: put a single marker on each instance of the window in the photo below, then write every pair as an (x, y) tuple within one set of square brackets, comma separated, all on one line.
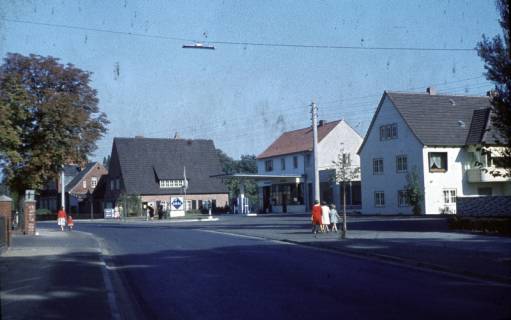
[(346, 159), (268, 165), (84, 184), (283, 164), (93, 182), (117, 184), (401, 164), (437, 161), (403, 199), (295, 162), (388, 132), (112, 184), (379, 199), (449, 196), (171, 183), (377, 166), (498, 162), (308, 160)]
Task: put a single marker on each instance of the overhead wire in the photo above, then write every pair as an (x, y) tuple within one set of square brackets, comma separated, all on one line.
[(241, 43)]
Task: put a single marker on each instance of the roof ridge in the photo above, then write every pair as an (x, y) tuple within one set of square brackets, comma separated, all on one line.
[(436, 94)]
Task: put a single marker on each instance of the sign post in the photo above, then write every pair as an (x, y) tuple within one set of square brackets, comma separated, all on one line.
[(177, 207)]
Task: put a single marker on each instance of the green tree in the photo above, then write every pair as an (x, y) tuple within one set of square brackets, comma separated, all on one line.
[(496, 54), (246, 164), (345, 172), (414, 191), (49, 116)]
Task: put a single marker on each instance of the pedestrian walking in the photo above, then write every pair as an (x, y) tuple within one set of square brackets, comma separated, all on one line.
[(325, 217), (116, 212), (61, 218), (70, 223), (316, 218), (334, 218)]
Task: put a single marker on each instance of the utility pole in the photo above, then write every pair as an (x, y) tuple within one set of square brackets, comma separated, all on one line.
[(62, 189), (315, 158)]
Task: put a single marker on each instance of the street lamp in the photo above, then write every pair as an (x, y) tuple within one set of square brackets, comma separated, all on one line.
[(198, 45)]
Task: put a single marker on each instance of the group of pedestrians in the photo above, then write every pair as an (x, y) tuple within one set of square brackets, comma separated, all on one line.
[(323, 217), (63, 220)]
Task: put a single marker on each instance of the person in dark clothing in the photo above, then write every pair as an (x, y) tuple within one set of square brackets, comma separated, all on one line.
[(160, 212), (151, 212)]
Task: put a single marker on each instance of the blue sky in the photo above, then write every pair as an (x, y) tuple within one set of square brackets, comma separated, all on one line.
[(245, 96)]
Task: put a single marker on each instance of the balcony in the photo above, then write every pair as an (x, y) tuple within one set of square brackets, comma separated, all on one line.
[(484, 175)]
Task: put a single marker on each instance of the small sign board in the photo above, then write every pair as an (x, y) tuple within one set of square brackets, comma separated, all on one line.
[(177, 207), (109, 213)]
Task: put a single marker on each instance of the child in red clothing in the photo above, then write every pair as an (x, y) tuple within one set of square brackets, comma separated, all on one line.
[(61, 218), (70, 222)]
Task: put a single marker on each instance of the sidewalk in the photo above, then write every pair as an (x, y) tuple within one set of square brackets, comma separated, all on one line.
[(54, 275), (418, 242)]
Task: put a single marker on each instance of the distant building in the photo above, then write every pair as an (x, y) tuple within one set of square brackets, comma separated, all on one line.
[(154, 169), (440, 138), (285, 168), (79, 184)]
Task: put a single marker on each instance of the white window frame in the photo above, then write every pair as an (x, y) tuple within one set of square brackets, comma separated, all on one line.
[(403, 198), (402, 163), (172, 183), (379, 199), (449, 196), (388, 132), (93, 182), (84, 184), (377, 168)]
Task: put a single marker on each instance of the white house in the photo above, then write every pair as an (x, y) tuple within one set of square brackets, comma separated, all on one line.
[(288, 164), (437, 136)]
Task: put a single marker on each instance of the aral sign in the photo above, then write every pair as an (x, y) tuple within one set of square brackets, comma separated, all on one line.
[(177, 207)]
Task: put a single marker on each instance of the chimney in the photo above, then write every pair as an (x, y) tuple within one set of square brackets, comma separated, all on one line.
[(431, 91), (321, 122)]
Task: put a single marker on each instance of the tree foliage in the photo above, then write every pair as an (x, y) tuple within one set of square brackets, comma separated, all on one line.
[(496, 54), (49, 116), (246, 164), (414, 191), (344, 173)]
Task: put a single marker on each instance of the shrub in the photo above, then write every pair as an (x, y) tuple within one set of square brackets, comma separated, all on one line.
[(481, 224)]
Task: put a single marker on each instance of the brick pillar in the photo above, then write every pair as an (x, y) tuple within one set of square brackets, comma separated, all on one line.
[(29, 216), (5, 211)]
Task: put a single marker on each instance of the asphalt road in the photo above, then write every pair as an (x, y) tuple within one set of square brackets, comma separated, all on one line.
[(188, 271)]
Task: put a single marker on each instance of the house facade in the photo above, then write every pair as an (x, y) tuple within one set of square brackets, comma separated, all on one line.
[(155, 170), (288, 164), (78, 183), (82, 187), (434, 138)]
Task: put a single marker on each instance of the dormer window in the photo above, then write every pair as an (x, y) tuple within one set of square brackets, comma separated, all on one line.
[(165, 184), (388, 132)]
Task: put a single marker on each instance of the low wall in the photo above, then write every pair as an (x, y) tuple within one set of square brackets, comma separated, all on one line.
[(491, 206)]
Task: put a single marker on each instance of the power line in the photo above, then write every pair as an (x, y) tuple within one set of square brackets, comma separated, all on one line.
[(243, 43)]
